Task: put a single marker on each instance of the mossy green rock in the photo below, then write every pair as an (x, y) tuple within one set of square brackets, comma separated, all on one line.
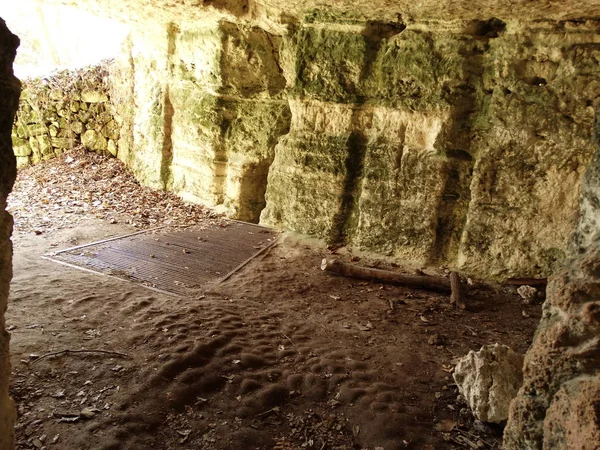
[(36, 129), (94, 141), (21, 147), (94, 97), (63, 143)]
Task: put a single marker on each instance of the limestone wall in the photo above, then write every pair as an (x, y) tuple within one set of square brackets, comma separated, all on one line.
[(461, 143), (62, 111), (456, 143), (209, 112), (559, 403), (9, 97)]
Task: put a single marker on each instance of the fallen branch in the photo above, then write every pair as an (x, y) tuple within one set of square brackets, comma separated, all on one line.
[(62, 352), (526, 281), (457, 298), (426, 282)]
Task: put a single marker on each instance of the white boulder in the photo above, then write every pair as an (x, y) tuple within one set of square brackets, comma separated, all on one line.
[(489, 379)]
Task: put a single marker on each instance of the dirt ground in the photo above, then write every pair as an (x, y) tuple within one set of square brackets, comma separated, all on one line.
[(281, 356)]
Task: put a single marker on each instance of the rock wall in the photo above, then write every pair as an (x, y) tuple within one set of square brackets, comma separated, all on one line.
[(62, 111), (9, 98), (215, 115), (459, 142), (558, 406)]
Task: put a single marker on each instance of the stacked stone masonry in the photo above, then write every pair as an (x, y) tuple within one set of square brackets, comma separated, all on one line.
[(62, 111), (460, 143)]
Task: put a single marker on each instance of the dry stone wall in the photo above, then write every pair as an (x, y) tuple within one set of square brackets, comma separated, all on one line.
[(9, 98), (62, 111), (461, 143)]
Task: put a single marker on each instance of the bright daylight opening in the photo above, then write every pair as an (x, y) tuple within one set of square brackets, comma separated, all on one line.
[(59, 37)]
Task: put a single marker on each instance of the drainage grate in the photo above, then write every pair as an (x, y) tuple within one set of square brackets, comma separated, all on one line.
[(182, 261)]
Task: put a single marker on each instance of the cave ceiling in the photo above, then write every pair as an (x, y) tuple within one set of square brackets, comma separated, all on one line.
[(389, 10)]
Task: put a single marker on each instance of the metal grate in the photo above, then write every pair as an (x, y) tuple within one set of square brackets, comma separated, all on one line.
[(182, 261)]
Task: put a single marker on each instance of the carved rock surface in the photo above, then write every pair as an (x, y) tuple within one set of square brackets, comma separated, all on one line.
[(489, 379)]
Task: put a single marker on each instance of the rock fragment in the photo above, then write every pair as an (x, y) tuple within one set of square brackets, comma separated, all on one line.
[(489, 379), (527, 293)]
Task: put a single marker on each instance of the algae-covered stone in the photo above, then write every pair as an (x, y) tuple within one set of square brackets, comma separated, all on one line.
[(111, 130), (94, 141), (94, 97), (306, 181), (84, 116), (40, 145), (329, 64), (63, 143), (198, 157), (250, 61), (150, 127), (21, 147), (56, 95), (36, 129), (104, 117), (403, 179), (77, 127), (253, 130), (112, 147), (533, 141), (430, 142), (29, 117), (203, 68)]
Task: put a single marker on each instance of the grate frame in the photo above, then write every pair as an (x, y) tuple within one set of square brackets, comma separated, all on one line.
[(181, 261)]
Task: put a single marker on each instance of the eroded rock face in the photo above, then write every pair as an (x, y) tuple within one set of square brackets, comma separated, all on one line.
[(489, 379), (9, 98), (210, 131), (559, 404), (447, 143)]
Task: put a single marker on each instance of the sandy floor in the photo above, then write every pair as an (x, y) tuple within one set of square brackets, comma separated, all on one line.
[(281, 356)]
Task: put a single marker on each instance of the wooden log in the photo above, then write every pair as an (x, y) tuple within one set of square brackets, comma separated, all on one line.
[(526, 281), (457, 296), (426, 282)]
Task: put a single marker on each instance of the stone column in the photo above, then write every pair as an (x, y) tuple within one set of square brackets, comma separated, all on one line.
[(558, 406), (9, 98)]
